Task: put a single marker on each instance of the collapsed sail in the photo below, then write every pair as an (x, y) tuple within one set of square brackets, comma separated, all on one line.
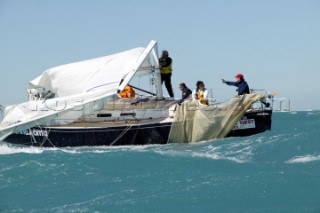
[(195, 122), (94, 74), (76, 88)]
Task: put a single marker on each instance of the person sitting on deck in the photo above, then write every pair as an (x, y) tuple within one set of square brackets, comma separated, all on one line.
[(128, 92), (201, 93), (185, 92)]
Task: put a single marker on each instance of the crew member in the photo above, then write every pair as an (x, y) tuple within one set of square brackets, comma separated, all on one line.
[(128, 92), (201, 93), (166, 71), (185, 92), (243, 87)]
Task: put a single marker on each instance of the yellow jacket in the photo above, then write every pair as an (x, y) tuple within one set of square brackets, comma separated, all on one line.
[(166, 65)]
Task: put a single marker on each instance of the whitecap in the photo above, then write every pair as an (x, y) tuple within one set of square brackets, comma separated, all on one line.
[(6, 149), (293, 113), (304, 159), (216, 156), (197, 154)]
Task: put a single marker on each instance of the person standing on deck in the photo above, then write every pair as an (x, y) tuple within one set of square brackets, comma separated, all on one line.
[(166, 71), (243, 87)]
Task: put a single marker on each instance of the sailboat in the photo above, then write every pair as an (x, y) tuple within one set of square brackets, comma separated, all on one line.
[(78, 104)]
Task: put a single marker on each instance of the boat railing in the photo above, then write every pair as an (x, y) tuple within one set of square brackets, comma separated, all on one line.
[(281, 104), (138, 104)]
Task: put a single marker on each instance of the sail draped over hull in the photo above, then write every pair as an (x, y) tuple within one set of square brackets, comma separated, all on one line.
[(195, 122), (74, 88)]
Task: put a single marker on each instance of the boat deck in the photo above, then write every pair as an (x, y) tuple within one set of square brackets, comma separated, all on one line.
[(141, 103), (113, 123)]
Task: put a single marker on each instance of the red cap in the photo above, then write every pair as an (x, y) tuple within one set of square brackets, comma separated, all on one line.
[(239, 76)]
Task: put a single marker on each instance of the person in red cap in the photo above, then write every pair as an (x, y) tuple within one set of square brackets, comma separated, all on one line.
[(243, 87)]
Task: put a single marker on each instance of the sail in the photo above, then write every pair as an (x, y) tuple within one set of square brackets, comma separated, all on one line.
[(57, 111), (94, 74), (195, 122), (76, 88)]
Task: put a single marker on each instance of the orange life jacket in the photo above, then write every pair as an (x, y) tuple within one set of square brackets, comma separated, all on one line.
[(128, 92)]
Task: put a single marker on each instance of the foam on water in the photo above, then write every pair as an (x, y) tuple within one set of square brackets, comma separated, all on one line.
[(225, 149), (6, 149), (304, 159), (235, 152), (218, 157), (231, 149)]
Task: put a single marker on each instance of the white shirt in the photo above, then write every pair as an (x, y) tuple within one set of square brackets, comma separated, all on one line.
[(205, 94)]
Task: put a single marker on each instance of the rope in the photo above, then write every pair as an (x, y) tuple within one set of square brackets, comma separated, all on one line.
[(46, 137), (122, 134)]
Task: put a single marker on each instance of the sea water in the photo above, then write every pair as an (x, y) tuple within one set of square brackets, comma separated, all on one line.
[(275, 171)]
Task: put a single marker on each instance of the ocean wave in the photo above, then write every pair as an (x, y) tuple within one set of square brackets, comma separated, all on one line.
[(216, 156), (304, 159), (108, 149), (6, 149), (213, 156), (209, 151)]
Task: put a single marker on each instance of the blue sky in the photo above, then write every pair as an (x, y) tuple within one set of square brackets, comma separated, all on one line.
[(274, 43)]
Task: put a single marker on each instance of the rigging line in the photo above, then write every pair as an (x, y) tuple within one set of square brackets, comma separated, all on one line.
[(142, 90), (32, 136), (122, 134), (135, 135), (46, 136), (47, 139), (114, 82)]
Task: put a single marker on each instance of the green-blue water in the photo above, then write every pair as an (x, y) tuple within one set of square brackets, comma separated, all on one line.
[(276, 171)]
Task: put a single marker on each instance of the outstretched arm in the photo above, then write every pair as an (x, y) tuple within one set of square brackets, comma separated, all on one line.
[(231, 83)]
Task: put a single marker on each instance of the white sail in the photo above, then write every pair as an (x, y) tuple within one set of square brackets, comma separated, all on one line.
[(76, 88), (94, 74)]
